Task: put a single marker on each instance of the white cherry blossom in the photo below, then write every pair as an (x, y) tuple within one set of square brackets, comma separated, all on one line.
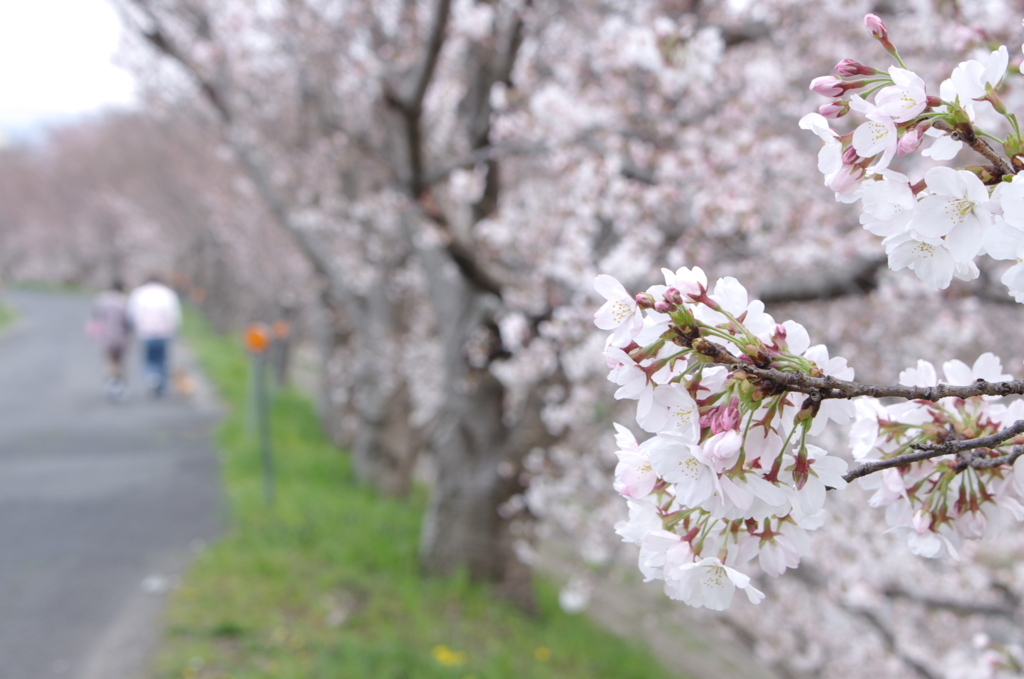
[(928, 258), (797, 340), (875, 137), (986, 367), (620, 313), (730, 294), (905, 99), (689, 282), (625, 372), (972, 78), (671, 409), (956, 209), (643, 518), (1004, 241), (673, 459), (708, 583), (661, 549), (888, 205), (634, 476), (1009, 196), (945, 147), (835, 410), (923, 541), (784, 549), (830, 157)]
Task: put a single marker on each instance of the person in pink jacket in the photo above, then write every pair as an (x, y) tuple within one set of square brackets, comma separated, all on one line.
[(155, 314), (110, 327)]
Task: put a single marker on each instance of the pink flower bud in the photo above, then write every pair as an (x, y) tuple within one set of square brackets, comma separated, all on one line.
[(933, 101), (663, 307), (849, 67), (875, 27), (827, 86), (834, 109), (847, 179), (850, 156), (645, 300), (673, 296), (909, 142), (921, 522), (779, 335)]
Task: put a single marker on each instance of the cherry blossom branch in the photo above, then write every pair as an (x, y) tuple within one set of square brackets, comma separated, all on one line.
[(888, 639), (1006, 609), (898, 461), (830, 387), (483, 154), (817, 582), (157, 36), (431, 55), (970, 444), (928, 451), (860, 279), (990, 462), (965, 133), (409, 104)]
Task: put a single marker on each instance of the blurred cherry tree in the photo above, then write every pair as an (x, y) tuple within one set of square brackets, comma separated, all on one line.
[(450, 177)]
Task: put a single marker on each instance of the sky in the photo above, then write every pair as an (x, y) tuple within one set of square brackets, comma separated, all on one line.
[(55, 61)]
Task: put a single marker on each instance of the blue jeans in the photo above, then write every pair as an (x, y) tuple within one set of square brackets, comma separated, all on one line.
[(154, 352)]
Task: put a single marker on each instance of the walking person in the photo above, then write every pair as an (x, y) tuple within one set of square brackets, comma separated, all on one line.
[(155, 314), (110, 327)]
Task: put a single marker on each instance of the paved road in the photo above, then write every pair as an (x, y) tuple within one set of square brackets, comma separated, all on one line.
[(95, 499)]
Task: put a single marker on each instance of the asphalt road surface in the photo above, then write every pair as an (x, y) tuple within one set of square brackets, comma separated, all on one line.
[(101, 504)]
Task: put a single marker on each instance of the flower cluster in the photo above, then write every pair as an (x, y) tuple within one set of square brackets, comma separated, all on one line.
[(728, 475), (938, 225), (937, 503)]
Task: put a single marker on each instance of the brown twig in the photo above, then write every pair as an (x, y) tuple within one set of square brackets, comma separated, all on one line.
[(928, 451), (965, 133), (831, 387)]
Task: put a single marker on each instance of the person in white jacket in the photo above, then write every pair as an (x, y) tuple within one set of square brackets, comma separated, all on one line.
[(155, 314)]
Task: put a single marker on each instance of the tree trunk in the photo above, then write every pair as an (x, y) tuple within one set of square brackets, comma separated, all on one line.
[(367, 408), (477, 472), (476, 455)]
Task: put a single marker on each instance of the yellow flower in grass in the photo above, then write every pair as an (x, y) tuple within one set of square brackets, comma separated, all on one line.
[(447, 657), (542, 653)]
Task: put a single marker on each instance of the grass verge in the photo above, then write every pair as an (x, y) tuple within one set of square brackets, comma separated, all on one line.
[(7, 315), (325, 583)]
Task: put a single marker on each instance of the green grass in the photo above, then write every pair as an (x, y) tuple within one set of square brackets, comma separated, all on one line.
[(325, 584), (7, 315), (51, 286)]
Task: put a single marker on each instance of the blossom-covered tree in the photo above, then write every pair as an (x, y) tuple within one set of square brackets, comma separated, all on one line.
[(457, 204), (129, 194), (729, 475)]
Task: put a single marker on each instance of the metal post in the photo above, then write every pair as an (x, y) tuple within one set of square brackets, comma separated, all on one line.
[(257, 340), (263, 426)]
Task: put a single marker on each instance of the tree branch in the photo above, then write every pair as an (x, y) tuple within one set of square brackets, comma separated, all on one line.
[(831, 387), (159, 38), (860, 279), (970, 444), (482, 155), (430, 58), (1007, 609), (409, 103), (990, 462), (888, 638), (965, 133), (898, 461), (928, 451)]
